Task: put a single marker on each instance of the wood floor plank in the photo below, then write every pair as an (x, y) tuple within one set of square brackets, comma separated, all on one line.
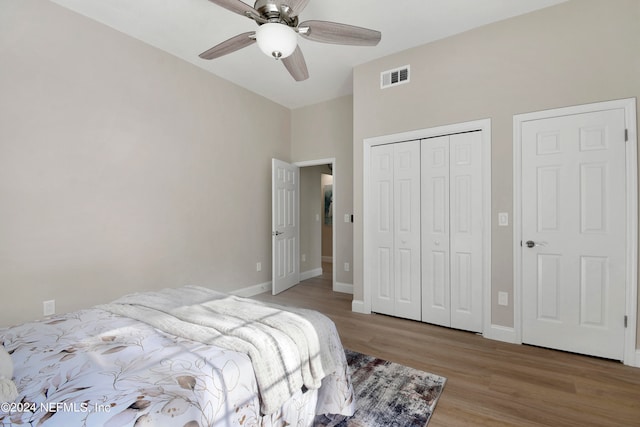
[(489, 383)]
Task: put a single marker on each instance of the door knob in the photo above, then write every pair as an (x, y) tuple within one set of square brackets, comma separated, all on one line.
[(531, 244), (277, 233)]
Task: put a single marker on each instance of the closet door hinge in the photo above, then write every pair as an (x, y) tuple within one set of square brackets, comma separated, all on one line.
[(626, 321), (626, 135)]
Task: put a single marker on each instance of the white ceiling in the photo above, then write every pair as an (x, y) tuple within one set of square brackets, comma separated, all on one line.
[(185, 28)]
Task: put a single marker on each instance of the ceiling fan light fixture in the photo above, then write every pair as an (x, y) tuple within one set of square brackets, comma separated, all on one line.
[(276, 40)]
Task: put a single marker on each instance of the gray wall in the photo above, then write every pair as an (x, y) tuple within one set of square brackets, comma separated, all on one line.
[(119, 164), (123, 168), (323, 131), (578, 52)]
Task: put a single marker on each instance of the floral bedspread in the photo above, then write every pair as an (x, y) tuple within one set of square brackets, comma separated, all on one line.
[(95, 368)]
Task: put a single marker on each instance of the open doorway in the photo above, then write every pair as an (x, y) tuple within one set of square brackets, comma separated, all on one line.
[(317, 233), (326, 188)]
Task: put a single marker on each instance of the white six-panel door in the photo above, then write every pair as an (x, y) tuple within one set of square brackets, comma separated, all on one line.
[(395, 234), (573, 231), (285, 270), (452, 230)]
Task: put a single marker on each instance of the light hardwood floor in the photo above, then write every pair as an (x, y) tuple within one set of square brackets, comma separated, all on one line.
[(489, 383)]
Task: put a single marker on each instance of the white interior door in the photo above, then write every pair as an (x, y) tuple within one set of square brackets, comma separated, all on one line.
[(395, 233), (452, 231), (285, 181), (573, 232)]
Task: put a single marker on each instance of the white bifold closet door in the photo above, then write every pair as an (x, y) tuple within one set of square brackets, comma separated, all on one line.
[(395, 231), (451, 198)]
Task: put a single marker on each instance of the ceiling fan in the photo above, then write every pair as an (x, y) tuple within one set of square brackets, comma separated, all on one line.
[(278, 29)]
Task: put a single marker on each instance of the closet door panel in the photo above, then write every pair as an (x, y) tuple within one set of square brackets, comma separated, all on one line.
[(382, 229), (466, 230), (407, 229), (435, 231)]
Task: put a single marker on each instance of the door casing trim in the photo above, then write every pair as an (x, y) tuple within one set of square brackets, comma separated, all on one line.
[(335, 286)]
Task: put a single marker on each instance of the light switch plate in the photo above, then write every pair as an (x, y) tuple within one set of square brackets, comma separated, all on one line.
[(503, 298)]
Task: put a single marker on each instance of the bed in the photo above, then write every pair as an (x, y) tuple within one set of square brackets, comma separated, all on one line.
[(177, 357)]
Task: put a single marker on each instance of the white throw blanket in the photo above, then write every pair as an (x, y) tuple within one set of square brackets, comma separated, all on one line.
[(286, 349)]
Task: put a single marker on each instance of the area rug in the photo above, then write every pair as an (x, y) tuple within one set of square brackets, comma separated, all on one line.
[(387, 394)]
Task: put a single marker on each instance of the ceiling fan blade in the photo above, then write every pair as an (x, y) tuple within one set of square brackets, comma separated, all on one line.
[(237, 6), (231, 45), (333, 32), (296, 65), (296, 6)]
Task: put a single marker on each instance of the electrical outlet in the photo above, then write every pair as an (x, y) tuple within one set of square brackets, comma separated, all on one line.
[(347, 218), (503, 219), (346, 266), (49, 307), (304, 257), (258, 266), (503, 298)]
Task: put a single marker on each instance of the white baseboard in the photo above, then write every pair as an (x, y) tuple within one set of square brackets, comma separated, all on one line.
[(501, 333), (345, 288), (357, 306), (311, 273), (260, 288), (637, 361), (253, 290), (327, 259)]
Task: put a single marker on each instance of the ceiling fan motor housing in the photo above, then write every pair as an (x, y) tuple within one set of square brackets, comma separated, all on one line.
[(276, 11)]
